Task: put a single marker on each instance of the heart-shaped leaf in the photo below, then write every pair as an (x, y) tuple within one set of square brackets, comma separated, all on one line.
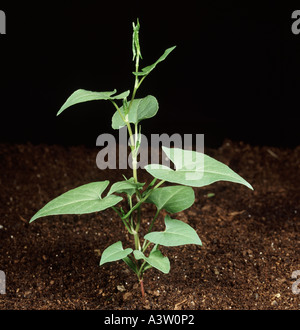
[(173, 199), (149, 68), (84, 199), (193, 169), (114, 252), (155, 259), (82, 95), (141, 109), (176, 233)]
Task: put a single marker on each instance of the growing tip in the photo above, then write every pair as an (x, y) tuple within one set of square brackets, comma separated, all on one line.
[(136, 50)]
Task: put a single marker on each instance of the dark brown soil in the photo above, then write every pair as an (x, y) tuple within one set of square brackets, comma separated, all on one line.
[(250, 238)]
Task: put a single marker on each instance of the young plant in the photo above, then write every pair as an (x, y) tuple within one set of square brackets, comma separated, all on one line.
[(192, 169)]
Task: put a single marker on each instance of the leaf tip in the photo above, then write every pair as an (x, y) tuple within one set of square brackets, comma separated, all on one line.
[(32, 219), (199, 241), (59, 112), (37, 215), (247, 184)]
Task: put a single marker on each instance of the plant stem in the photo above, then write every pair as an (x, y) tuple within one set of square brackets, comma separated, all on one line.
[(142, 288), (131, 217), (136, 81), (137, 243), (134, 151), (130, 135), (140, 277), (134, 143)]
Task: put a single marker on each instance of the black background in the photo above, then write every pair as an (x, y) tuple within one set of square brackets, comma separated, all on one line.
[(234, 74)]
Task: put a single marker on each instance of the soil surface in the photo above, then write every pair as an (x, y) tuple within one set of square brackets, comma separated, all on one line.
[(250, 238)]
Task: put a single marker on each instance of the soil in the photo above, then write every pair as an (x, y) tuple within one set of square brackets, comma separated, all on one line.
[(250, 238)]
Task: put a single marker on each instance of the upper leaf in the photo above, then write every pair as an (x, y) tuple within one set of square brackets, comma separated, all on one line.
[(173, 199), (84, 199), (193, 169), (82, 95), (114, 252), (141, 109), (176, 233), (149, 68)]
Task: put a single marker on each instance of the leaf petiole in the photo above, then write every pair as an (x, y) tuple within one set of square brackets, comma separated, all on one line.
[(123, 220), (153, 220), (142, 200)]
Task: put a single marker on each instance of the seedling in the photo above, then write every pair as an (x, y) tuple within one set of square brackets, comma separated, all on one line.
[(192, 169)]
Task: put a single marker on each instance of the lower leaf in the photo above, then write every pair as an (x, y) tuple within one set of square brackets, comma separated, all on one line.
[(155, 259), (84, 199), (176, 233)]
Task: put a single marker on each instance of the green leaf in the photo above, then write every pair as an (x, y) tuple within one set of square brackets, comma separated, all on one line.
[(128, 186), (173, 199), (81, 200), (176, 233), (149, 68), (155, 259), (82, 95), (194, 169), (141, 109), (114, 252)]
